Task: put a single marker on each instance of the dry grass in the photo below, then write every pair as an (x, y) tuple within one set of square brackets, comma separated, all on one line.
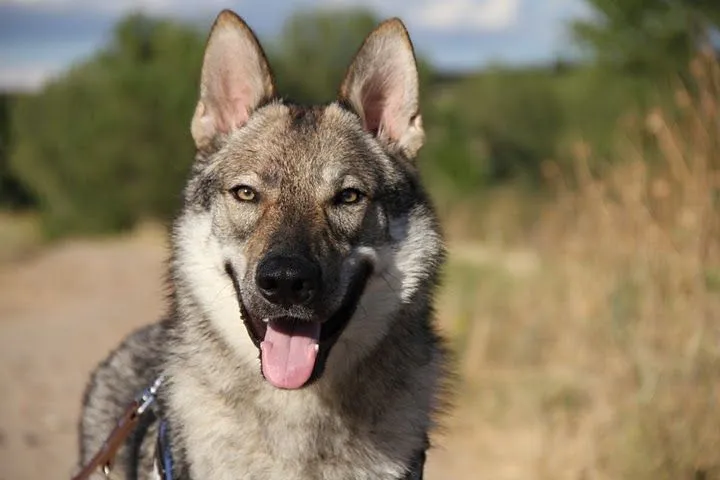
[(610, 349)]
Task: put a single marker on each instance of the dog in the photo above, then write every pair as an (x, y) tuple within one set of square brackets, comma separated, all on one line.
[(299, 341)]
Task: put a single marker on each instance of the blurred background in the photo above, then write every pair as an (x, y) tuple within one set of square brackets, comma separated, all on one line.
[(573, 152)]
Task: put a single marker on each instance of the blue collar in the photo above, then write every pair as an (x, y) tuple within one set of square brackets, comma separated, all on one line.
[(163, 454)]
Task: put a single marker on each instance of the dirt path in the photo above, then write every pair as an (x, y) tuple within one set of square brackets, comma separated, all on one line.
[(61, 312)]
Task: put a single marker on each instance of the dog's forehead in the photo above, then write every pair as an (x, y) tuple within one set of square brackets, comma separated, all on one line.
[(324, 141)]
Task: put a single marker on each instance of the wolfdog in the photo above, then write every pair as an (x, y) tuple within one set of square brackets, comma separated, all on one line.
[(299, 341)]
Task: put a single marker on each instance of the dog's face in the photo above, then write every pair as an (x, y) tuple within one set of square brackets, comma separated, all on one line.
[(305, 224)]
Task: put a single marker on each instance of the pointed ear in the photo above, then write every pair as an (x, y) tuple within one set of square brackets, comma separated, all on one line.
[(235, 79), (381, 85)]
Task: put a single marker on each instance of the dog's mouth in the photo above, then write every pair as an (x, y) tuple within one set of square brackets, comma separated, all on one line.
[(293, 351)]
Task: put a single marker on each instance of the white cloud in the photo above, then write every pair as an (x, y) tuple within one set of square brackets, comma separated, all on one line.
[(477, 15), (27, 78), (122, 6), (566, 9), (535, 28), (488, 15)]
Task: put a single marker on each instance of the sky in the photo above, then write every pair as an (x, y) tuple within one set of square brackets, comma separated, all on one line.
[(40, 39)]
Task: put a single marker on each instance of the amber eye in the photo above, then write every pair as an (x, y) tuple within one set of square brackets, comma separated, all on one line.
[(244, 193), (348, 196)]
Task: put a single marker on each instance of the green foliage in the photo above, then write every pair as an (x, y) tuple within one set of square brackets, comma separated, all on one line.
[(648, 37), (12, 193), (519, 117), (596, 102), (493, 127), (448, 159), (109, 144), (314, 50)]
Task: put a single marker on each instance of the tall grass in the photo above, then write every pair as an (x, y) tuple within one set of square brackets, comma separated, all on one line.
[(612, 346)]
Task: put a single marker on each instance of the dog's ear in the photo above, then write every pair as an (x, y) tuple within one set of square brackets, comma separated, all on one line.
[(235, 80), (381, 86)]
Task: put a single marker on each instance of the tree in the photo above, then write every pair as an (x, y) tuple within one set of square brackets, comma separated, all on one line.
[(500, 126), (109, 143), (315, 49), (12, 193), (648, 37)]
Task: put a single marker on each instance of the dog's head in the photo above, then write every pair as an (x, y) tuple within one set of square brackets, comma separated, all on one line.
[(305, 224)]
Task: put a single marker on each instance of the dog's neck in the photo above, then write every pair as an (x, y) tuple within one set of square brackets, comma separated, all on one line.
[(374, 398)]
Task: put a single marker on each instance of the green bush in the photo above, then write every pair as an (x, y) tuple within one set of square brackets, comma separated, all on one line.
[(491, 128), (109, 143), (12, 193)]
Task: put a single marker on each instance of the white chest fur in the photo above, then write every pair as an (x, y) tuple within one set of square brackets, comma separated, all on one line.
[(279, 435)]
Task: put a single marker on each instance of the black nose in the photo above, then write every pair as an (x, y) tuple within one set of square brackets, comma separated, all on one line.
[(287, 279)]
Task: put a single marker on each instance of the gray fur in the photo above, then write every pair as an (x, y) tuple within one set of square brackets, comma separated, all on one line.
[(367, 412)]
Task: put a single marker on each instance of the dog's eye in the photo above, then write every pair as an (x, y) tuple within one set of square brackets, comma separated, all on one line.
[(348, 196), (244, 193)]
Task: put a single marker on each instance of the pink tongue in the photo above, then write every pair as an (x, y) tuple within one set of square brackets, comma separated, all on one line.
[(289, 352)]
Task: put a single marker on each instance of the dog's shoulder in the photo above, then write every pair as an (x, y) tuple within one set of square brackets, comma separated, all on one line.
[(113, 385)]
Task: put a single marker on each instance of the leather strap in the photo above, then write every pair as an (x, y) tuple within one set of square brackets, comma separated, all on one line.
[(105, 457)]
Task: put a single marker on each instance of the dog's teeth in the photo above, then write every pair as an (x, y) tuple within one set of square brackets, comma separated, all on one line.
[(266, 320), (316, 347)]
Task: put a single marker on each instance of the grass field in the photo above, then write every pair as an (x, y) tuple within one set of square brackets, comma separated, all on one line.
[(603, 340)]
